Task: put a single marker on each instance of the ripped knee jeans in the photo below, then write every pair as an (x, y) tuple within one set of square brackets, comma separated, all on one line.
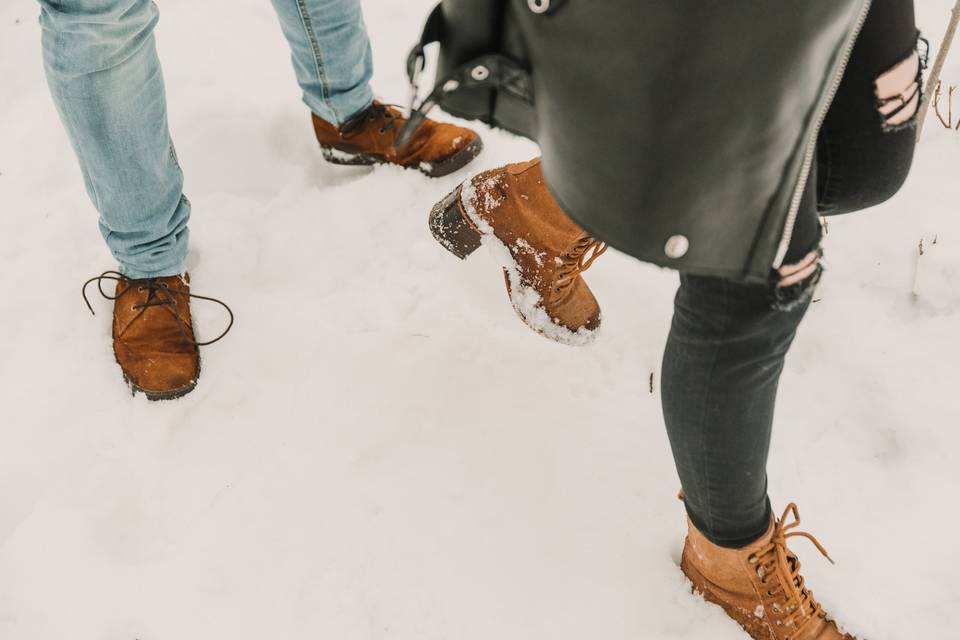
[(728, 340), (866, 144)]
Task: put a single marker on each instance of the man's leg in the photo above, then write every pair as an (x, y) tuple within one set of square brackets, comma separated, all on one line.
[(333, 63), (331, 55), (104, 76)]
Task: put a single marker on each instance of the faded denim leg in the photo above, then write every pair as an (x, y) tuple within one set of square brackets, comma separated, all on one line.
[(331, 55), (104, 75)]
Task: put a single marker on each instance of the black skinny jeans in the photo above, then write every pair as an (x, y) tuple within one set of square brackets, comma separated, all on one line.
[(727, 344)]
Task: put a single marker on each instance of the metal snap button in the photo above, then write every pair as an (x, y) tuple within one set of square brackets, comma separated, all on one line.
[(539, 6), (677, 247), (480, 73), (450, 86)]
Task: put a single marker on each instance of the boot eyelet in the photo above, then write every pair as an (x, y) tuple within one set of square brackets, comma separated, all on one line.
[(139, 289), (382, 131), (752, 559)]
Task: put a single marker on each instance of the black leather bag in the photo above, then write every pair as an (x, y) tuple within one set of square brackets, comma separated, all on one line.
[(681, 132), (480, 76)]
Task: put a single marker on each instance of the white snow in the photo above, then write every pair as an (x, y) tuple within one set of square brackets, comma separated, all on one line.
[(380, 449), (526, 247)]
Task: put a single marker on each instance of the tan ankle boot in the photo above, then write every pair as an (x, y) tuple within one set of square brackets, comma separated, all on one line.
[(542, 251), (760, 585), (153, 339), (436, 149)]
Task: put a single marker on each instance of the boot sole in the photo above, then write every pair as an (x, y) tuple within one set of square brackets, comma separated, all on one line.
[(169, 394), (433, 170), (156, 396), (458, 235)]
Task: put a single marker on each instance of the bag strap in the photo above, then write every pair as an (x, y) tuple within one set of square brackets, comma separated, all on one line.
[(432, 32), (491, 70)]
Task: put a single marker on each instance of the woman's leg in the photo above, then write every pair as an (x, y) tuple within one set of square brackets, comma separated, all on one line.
[(721, 369), (728, 342), (867, 141), (104, 75)]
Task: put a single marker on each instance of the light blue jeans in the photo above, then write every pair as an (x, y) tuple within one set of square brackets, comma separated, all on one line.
[(104, 75)]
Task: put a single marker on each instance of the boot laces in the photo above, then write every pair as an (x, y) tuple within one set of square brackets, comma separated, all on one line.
[(577, 260), (159, 294), (779, 572), (376, 111)]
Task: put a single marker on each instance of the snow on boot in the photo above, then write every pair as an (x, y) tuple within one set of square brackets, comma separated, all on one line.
[(760, 585), (153, 339), (542, 251), (436, 149)]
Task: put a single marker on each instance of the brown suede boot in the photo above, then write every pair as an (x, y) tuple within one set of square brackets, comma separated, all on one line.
[(542, 251), (760, 585), (436, 149), (153, 339)]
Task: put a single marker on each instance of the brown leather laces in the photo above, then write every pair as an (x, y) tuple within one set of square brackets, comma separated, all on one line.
[(578, 260), (779, 571), (159, 294)]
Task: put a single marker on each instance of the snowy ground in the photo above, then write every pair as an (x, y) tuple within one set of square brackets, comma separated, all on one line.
[(380, 449)]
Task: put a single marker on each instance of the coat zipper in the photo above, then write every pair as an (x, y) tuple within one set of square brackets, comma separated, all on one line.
[(812, 143)]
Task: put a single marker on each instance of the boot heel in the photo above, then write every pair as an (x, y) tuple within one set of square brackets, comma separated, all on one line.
[(451, 229)]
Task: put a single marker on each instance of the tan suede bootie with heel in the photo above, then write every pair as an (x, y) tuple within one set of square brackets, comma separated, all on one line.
[(542, 251)]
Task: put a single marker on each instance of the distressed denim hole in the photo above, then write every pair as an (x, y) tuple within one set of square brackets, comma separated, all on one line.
[(795, 273), (793, 284), (898, 92)]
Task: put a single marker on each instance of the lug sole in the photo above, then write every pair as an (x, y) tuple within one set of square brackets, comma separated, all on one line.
[(455, 162), (158, 396), (345, 158), (167, 394), (430, 169)]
